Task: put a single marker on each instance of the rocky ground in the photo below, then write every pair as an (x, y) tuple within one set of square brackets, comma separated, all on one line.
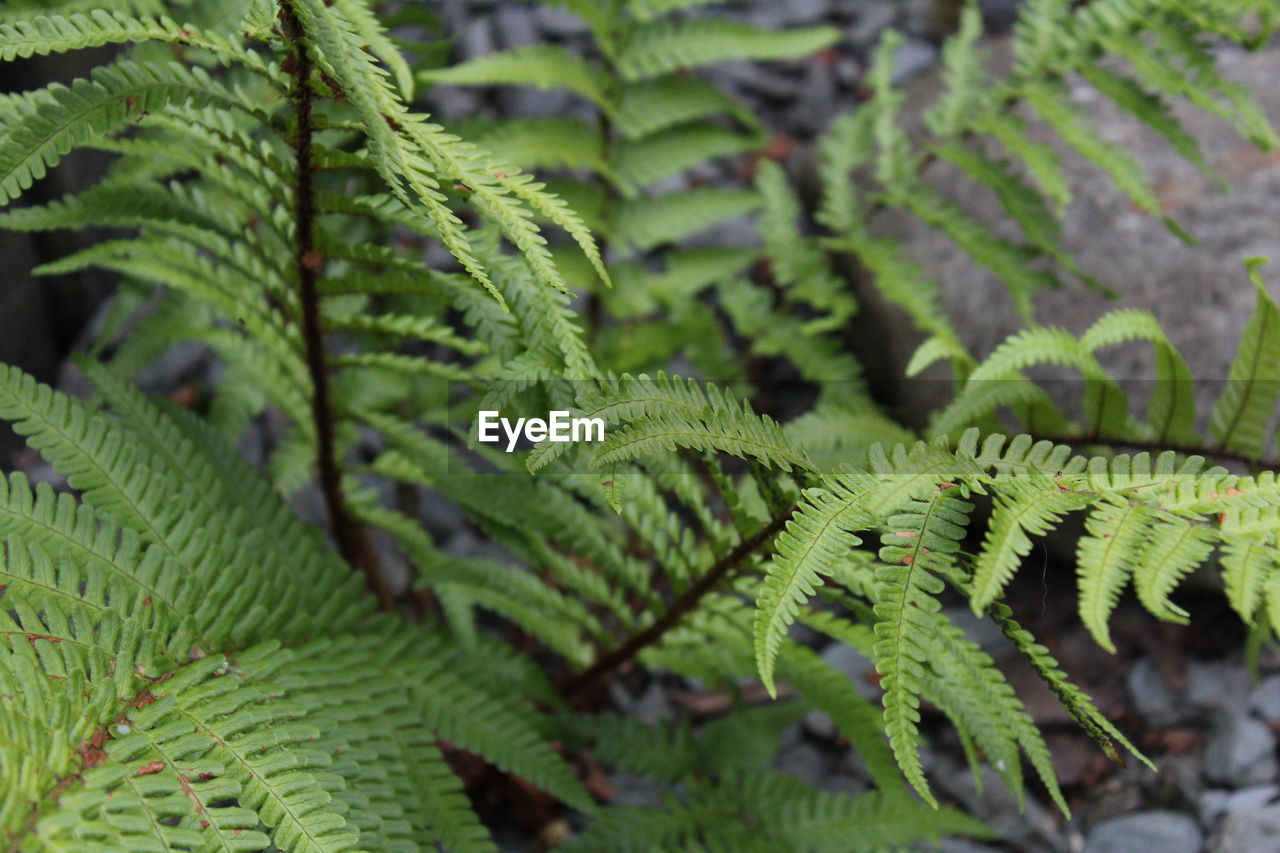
[(1184, 695)]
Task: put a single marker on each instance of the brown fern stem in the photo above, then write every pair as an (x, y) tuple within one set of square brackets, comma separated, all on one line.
[(720, 570), (351, 536)]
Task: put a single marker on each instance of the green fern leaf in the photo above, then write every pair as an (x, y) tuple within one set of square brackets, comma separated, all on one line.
[(56, 119), (1022, 509), (1108, 558), (650, 222), (905, 610), (1243, 409), (657, 48), (544, 66)]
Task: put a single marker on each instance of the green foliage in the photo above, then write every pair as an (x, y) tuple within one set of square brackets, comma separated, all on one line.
[(186, 665)]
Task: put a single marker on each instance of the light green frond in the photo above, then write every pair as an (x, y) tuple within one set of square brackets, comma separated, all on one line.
[(504, 733), (1183, 65), (407, 326), (58, 33), (1248, 569), (1023, 508), (660, 47), (1106, 405), (1176, 548), (1243, 411), (817, 537), (922, 540), (964, 72), (59, 118), (1171, 407), (645, 161), (649, 222), (646, 107), (365, 23), (542, 143), (1076, 701), (1107, 558), (1152, 111), (545, 66), (1071, 124), (705, 419)]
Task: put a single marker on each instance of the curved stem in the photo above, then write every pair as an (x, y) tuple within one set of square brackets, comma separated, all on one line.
[(637, 642), (350, 535)]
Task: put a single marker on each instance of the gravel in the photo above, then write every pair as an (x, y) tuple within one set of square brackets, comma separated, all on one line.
[(1240, 751), (1253, 831), (1144, 832)]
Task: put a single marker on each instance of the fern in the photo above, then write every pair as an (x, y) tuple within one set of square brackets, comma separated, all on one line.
[(184, 664), (1243, 411)]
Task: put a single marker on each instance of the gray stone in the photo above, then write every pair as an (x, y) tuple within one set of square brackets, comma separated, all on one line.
[(1034, 828), (1216, 685), (999, 14), (848, 71), (812, 110), (984, 632), (819, 724), (817, 767), (805, 762), (873, 19), (557, 22), (960, 845), (1248, 832), (1216, 804), (753, 77), (802, 12), (914, 57), (1240, 751), (649, 707), (538, 103), (452, 102), (516, 26), (476, 40), (854, 666), (1265, 699), (1163, 831), (638, 791), (186, 361), (1159, 704)]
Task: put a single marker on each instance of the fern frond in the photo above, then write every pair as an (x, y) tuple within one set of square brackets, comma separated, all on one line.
[(58, 118), (505, 734), (650, 222), (964, 71), (1076, 701), (1248, 567), (544, 66), (707, 419), (1108, 558), (58, 33), (1171, 407), (1023, 508), (646, 161), (1176, 548), (1072, 125), (647, 107), (923, 541), (653, 49), (542, 143), (1243, 410), (814, 539)]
